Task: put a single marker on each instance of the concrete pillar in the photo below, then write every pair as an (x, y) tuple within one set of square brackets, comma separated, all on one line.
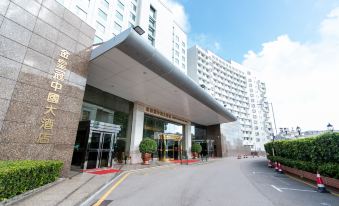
[(137, 132), (188, 139)]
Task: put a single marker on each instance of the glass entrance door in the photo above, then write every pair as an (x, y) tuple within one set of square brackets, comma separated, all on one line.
[(100, 150), (169, 147)]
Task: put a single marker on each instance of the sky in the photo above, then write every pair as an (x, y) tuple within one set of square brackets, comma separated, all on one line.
[(293, 45)]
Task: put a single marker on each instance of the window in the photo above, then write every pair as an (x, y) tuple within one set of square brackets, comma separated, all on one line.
[(183, 59), (121, 5), (100, 28), (130, 24), (133, 7), (152, 12), (176, 45), (119, 15), (81, 13), (132, 16), (176, 38), (151, 31), (152, 22), (151, 40), (183, 44), (176, 60), (117, 27), (102, 14), (97, 39), (176, 53), (183, 51), (105, 4), (183, 66)]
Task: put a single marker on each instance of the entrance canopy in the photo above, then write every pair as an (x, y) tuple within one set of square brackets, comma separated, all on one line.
[(129, 67)]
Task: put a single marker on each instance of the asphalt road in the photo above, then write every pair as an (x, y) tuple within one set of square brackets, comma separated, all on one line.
[(229, 182)]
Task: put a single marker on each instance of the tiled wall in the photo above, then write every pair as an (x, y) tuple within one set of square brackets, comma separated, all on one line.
[(32, 34)]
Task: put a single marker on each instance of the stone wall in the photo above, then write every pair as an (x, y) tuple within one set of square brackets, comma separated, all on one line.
[(32, 35)]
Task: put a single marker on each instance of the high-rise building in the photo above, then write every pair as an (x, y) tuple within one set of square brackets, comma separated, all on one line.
[(237, 89), (111, 17)]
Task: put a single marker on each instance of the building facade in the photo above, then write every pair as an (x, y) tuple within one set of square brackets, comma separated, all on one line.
[(237, 89), (111, 17), (89, 107)]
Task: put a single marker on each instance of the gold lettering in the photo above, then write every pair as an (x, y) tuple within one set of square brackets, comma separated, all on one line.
[(64, 54), (53, 98), (47, 123), (50, 110), (56, 85), (44, 138)]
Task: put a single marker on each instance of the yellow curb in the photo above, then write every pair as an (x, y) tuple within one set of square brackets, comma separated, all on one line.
[(98, 203)]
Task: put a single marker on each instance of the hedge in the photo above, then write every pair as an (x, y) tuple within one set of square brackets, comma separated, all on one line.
[(320, 149), (325, 169), (19, 176), (309, 154)]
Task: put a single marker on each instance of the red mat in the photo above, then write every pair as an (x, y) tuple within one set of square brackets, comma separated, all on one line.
[(105, 171), (184, 161)]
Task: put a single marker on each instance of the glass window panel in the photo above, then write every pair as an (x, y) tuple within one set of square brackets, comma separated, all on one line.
[(102, 14), (121, 5), (117, 27), (119, 15)]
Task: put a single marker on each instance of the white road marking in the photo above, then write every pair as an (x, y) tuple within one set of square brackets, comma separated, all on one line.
[(276, 188), (298, 190), (325, 204)]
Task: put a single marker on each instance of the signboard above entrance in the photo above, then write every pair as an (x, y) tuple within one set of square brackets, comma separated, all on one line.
[(165, 115)]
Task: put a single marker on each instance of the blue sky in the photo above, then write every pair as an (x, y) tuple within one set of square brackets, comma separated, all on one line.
[(291, 44), (232, 27)]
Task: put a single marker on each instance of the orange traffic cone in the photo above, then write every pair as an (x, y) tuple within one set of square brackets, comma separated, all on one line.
[(269, 164), (320, 184), (276, 166), (280, 168)]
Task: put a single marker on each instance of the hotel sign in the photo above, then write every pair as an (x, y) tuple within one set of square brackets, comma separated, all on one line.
[(53, 98), (165, 115)]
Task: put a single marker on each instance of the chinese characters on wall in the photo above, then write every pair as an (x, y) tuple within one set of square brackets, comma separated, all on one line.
[(53, 98), (165, 115)]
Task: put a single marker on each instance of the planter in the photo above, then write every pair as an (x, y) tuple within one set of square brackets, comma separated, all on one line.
[(311, 176), (145, 158)]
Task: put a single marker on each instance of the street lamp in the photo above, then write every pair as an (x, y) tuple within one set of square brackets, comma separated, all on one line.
[(298, 130), (330, 127)]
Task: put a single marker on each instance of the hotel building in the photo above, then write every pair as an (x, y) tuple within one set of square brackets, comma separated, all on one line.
[(111, 17), (63, 98), (237, 89)]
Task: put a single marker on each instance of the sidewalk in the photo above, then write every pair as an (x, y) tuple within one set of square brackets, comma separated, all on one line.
[(76, 189)]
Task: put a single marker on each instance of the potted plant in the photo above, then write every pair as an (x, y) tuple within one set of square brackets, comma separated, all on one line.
[(147, 147), (196, 148)]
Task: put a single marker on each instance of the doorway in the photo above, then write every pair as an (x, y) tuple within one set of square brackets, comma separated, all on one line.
[(169, 147)]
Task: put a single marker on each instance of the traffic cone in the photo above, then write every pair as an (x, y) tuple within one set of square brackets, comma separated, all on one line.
[(269, 164), (280, 168), (276, 166), (320, 184)]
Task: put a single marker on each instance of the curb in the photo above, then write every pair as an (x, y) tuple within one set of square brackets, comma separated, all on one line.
[(30, 193)]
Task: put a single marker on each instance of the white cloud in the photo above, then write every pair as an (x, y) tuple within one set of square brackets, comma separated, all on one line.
[(205, 41), (302, 78), (179, 13)]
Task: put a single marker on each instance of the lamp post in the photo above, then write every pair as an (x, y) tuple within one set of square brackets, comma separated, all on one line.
[(330, 127)]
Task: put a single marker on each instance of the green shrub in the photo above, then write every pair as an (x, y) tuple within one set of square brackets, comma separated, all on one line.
[(319, 149), (148, 145), (19, 176), (196, 147)]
